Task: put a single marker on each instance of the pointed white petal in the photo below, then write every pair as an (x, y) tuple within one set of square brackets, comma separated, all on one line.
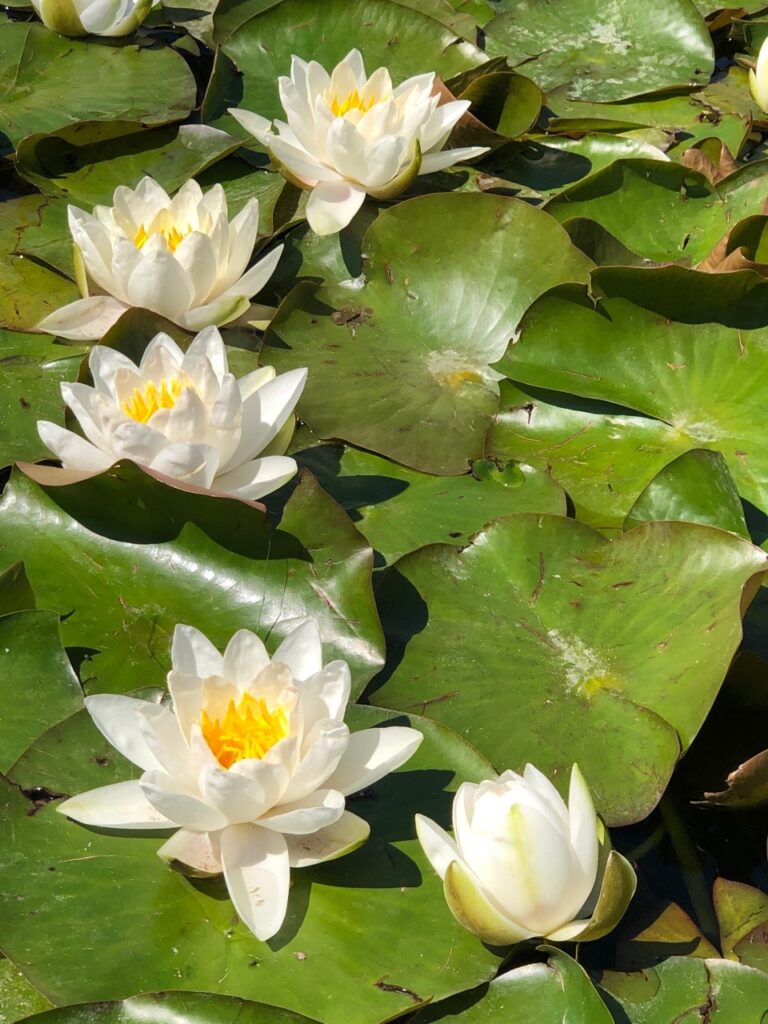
[(244, 657), (85, 319), (117, 719), (301, 651), (323, 749), (193, 653), (332, 205), (254, 480), (166, 794), (438, 846), (372, 754), (264, 413), (315, 811), (257, 873), (337, 840), (74, 451), (122, 805), (432, 162), (200, 851)]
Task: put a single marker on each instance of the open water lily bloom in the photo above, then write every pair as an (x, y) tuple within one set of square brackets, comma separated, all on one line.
[(182, 258), (92, 17), (183, 416), (347, 135), (522, 863), (252, 765)]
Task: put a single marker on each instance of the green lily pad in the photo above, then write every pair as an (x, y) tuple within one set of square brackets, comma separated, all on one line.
[(701, 382), (742, 914), (688, 991), (696, 488), (405, 40), (17, 997), (47, 82), (28, 290), (39, 688), (172, 1008), (16, 594), (398, 510), (664, 211), (33, 367), (367, 937), (125, 559), (536, 994), (606, 49), (604, 456), (407, 355), (85, 163), (613, 652)]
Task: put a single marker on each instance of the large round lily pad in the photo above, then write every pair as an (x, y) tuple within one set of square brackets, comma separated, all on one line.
[(47, 81), (613, 652), (172, 1008), (407, 357), (124, 559), (366, 938), (606, 49), (703, 383)]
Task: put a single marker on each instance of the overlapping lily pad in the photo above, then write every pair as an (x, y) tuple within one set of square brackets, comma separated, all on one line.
[(537, 994), (613, 651), (173, 1008), (408, 355), (606, 49), (47, 82), (127, 558), (367, 937)]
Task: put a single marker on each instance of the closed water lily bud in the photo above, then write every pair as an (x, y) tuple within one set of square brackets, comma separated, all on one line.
[(252, 765), (182, 258), (183, 415), (523, 864), (92, 17), (349, 135), (758, 79)]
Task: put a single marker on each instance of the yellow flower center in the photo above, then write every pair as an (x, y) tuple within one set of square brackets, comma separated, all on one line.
[(171, 234), (352, 102), (144, 403), (248, 729)]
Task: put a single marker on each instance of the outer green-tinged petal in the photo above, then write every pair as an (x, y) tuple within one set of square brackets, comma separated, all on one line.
[(617, 889), (473, 909), (61, 16)]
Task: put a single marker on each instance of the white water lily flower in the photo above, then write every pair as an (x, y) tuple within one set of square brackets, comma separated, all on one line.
[(93, 17), (252, 765), (348, 135), (182, 258), (758, 79), (181, 415), (524, 864)]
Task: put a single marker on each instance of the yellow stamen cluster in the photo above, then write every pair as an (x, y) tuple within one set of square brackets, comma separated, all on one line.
[(248, 729), (144, 403), (171, 234), (352, 102)]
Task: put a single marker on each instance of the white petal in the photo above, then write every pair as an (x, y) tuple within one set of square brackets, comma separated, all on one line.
[(170, 798), (315, 811), (257, 873), (254, 480), (332, 205), (208, 344), (437, 129), (583, 824), (301, 651), (300, 163), (324, 747), (200, 851), (372, 754), (242, 237), (85, 319), (74, 451), (117, 719), (264, 413), (253, 280), (196, 255), (473, 907), (257, 125), (122, 805), (328, 691), (337, 840), (191, 463), (104, 362), (439, 847), (193, 653), (186, 692), (244, 658), (432, 162), (243, 794), (160, 284)]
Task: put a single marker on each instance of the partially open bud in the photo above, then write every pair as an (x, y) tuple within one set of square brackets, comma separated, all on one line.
[(92, 17)]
